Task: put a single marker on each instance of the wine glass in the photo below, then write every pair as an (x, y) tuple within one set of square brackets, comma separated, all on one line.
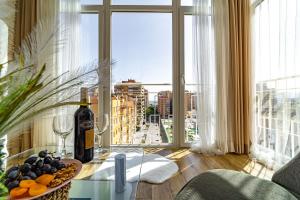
[(62, 126), (100, 131)]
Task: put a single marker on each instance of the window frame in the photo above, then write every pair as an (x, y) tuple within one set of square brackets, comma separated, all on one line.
[(104, 12)]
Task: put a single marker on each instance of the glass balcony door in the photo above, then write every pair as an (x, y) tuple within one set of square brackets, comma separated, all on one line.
[(142, 97)]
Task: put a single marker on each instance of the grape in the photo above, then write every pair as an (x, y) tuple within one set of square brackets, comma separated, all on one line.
[(7, 181), (55, 163), (53, 170), (31, 174), (33, 167), (25, 168), (46, 168), (12, 169), (26, 178), (57, 158), (40, 163), (43, 154), (31, 160), (13, 174), (61, 165), (47, 160), (38, 172), (12, 185)]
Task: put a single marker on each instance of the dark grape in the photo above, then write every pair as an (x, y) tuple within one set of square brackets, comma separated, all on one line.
[(25, 168), (12, 185), (61, 165), (54, 163), (40, 163), (13, 174), (38, 172), (57, 158), (46, 168), (12, 169), (33, 167), (7, 181), (31, 160), (26, 178), (53, 170), (31, 174), (43, 154), (47, 160)]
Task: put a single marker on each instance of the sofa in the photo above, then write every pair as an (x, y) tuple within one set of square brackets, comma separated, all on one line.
[(233, 185)]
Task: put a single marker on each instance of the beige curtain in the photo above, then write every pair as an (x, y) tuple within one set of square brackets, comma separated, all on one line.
[(240, 74), (41, 129), (28, 13), (25, 20)]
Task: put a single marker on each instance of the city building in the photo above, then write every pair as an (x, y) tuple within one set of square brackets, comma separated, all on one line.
[(189, 102), (123, 119), (146, 98), (134, 90), (164, 104)]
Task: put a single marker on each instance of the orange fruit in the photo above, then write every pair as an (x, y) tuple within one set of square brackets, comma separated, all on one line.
[(17, 192), (27, 183), (45, 179), (37, 189)]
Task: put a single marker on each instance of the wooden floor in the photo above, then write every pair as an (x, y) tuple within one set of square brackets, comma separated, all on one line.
[(191, 164)]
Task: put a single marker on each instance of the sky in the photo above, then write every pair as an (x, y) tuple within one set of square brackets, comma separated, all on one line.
[(141, 46)]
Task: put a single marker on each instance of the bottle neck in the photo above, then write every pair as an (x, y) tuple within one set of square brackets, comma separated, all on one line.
[(84, 97)]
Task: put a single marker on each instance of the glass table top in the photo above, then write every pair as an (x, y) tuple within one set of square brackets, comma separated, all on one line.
[(96, 178)]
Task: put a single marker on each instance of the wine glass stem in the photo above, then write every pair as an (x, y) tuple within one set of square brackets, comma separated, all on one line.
[(99, 142), (64, 145)]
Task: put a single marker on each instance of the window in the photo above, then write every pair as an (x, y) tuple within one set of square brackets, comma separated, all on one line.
[(190, 97), (187, 2), (89, 39), (142, 78), (143, 40)]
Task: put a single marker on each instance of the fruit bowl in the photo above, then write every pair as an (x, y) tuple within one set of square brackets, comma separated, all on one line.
[(41, 176), (51, 190)]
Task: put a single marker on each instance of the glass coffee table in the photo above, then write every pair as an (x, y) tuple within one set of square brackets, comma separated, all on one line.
[(96, 178)]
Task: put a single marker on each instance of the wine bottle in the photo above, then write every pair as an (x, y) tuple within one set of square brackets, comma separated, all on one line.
[(84, 130)]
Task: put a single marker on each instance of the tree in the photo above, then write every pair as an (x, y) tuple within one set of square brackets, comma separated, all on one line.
[(149, 111)]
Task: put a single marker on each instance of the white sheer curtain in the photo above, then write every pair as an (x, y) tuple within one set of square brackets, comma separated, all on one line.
[(211, 64), (66, 15), (205, 75), (276, 137), (69, 57)]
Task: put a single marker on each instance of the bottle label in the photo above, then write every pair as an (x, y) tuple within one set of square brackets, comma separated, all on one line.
[(89, 139)]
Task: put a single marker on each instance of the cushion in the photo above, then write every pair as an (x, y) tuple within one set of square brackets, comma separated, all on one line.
[(233, 185), (289, 175)]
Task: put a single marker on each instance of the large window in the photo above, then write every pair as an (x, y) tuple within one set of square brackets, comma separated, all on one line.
[(144, 42), (142, 78)]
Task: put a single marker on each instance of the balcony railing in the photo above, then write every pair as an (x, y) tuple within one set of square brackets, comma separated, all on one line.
[(277, 115)]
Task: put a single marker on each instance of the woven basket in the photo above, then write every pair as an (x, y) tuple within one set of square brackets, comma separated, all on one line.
[(59, 194)]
